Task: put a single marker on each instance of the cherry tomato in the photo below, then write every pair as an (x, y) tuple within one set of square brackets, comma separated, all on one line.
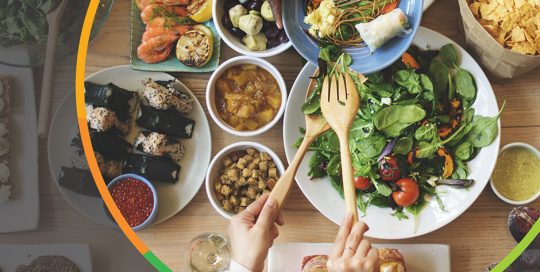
[(362, 183), (388, 169), (408, 192)]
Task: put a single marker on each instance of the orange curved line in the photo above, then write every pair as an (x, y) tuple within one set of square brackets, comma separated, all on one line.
[(85, 135)]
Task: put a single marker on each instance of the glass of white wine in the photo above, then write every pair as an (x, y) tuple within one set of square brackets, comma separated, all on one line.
[(209, 252)]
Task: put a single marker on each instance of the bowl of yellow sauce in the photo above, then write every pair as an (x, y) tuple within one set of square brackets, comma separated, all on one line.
[(516, 178)]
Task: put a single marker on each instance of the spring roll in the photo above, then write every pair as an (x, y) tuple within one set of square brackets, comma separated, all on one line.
[(383, 28)]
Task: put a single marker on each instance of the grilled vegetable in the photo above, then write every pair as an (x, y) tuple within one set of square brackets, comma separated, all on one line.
[(448, 162)]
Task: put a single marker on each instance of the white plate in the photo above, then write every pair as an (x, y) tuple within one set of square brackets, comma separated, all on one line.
[(418, 257), (382, 225), (22, 213), (172, 197), (11, 256)]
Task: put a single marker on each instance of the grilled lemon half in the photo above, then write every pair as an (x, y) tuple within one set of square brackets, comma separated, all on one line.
[(195, 47), (200, 10)]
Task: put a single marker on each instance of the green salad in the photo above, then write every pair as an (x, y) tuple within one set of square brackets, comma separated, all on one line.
[(415, 129), (25, 22)]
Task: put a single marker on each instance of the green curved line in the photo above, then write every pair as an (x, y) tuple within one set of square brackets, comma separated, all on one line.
[(518, 250), (156, 262)]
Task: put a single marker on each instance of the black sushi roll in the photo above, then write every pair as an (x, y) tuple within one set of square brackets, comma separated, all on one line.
[(106, 120), (109, 96), (163, 95), (153, 168), (165, 122), (109, 145), (79, 181), (160, 145)]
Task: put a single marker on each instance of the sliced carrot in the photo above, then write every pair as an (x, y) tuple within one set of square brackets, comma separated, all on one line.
[(409, 60), (390, 6)]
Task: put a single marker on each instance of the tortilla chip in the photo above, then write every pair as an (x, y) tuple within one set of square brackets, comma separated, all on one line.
[(517, 35)]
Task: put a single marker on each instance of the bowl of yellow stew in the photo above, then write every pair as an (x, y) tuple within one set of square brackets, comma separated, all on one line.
[(246, 96), (516, 178)]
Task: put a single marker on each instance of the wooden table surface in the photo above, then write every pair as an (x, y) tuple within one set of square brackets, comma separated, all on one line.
[(477, 238)]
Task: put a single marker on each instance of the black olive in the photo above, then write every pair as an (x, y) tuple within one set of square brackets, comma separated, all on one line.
[(272, 43), (230, 4), (254, 5), (226, 20), (283, 37), (267, 25), (271, 32), (237, 32)]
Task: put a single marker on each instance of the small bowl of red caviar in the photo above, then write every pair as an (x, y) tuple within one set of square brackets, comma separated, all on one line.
[(136, 198)]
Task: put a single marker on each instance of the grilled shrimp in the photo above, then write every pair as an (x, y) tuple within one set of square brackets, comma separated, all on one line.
[(159, 31), (159, 10), (157, 49), (144, 3)]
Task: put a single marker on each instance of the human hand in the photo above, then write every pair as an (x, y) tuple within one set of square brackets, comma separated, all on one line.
[(352, 252), (252, 232)]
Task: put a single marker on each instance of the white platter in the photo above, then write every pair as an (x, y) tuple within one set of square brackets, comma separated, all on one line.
[(11, 256), (172, 197), (23, 210), (418, 257), (382, 225)]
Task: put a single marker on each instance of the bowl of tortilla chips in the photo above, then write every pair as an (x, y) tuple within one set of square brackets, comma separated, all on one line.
[(505, 34)]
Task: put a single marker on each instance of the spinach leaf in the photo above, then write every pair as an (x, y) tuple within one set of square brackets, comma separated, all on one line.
[(393, 119), (382, 188), (361, 167), (464, 151), (440, 202), (439, 75), (448, 55), (371, 147), (334, 166), (315, 169), (330, 53), (460, 170), (426, 150), (409, 79), (313, 102), (485, 129), (361, 129), (426, 133), (378, 200), (361, 203), (465, 86), (403, 146), (399, 215), (426, 83)]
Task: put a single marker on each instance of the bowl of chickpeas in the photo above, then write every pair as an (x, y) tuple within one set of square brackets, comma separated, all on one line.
[(239, 174)]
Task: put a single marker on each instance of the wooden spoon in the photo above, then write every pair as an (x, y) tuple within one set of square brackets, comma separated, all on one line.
[(315, 126), (339, 104), (53, 19)]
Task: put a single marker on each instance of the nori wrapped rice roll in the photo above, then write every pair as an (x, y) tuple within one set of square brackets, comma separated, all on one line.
[(106, 120), (109, 96), (109, 145), (160, 145), (163, 95), (153, 168), (79, 181), (165, 122)]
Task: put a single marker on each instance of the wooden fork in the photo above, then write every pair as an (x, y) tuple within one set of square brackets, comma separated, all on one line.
[(339, 105), (315, 126)]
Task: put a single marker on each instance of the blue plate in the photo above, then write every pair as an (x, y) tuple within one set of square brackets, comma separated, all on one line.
[(294, 12)]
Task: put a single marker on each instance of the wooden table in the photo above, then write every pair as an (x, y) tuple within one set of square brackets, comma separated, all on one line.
[(477, 238)]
